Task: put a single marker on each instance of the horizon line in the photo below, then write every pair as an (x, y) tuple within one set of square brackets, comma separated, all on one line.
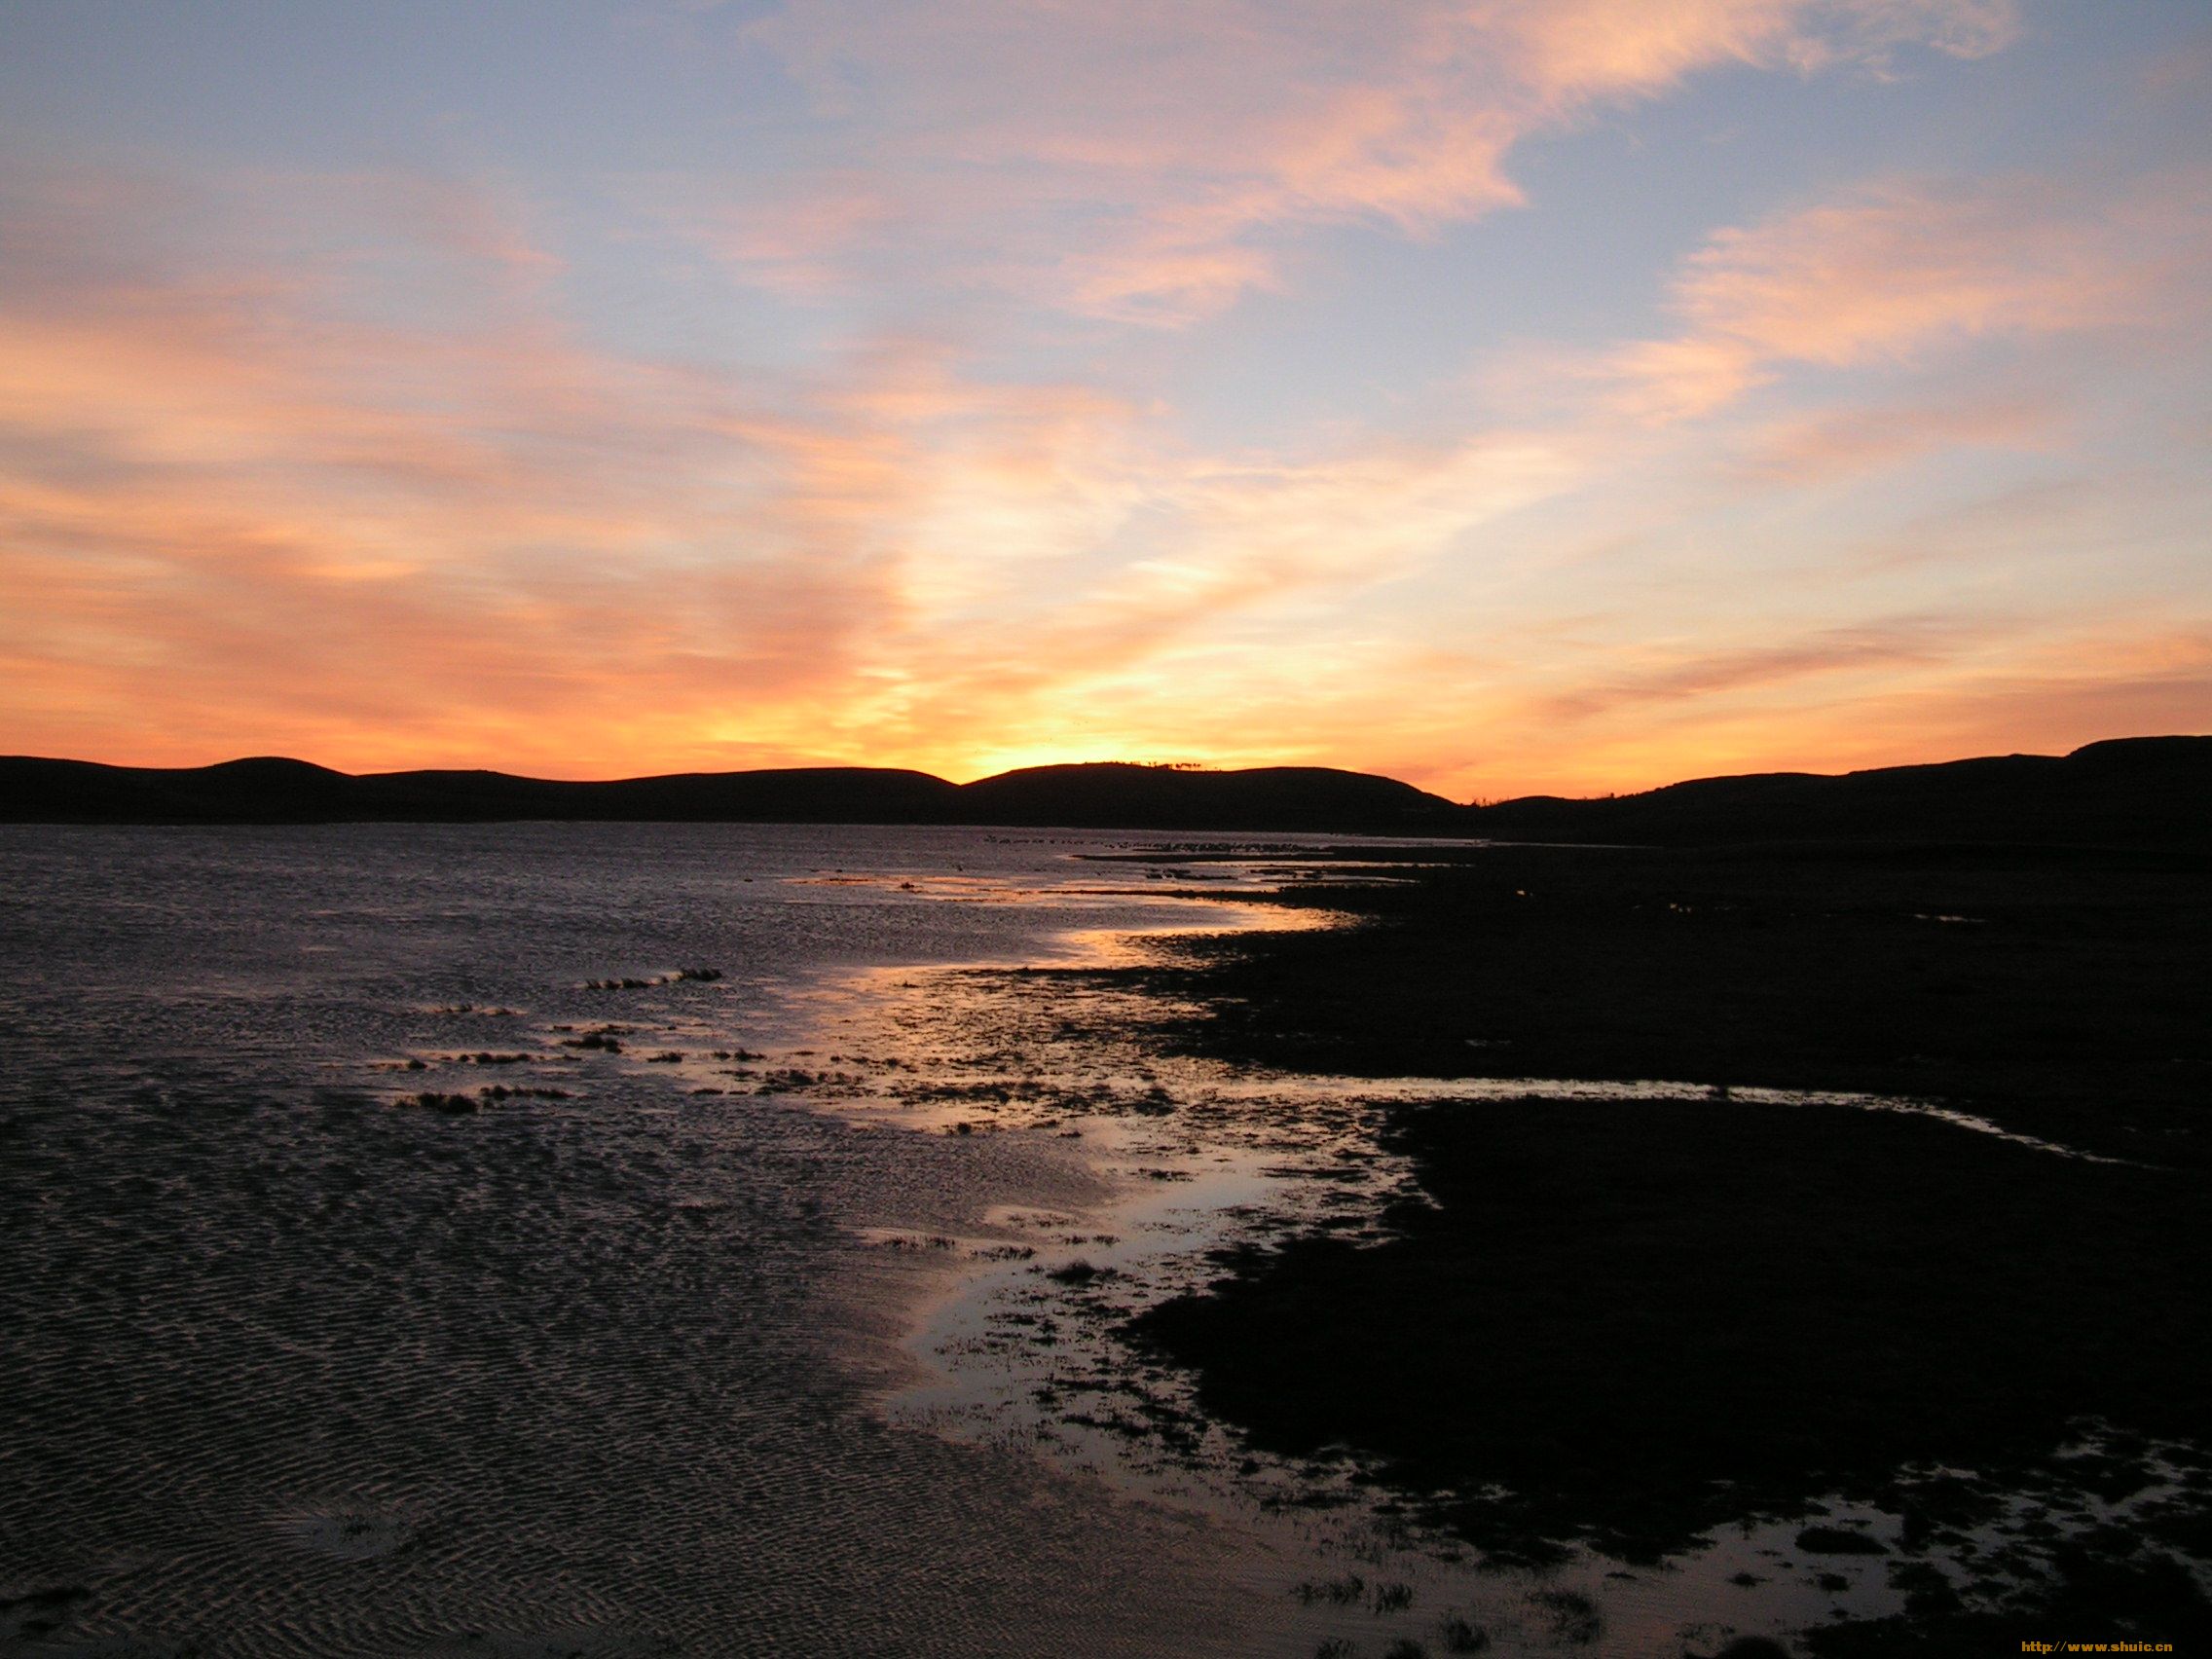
[(1185, 767)]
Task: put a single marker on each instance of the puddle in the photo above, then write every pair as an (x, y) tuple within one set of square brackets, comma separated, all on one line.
[(1022, 1350)]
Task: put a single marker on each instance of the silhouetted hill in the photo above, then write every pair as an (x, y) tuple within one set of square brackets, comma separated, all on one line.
[(263, 791), (1120, 796), (2145, 791), (807, 795), (2129, 792), (1100, 796)]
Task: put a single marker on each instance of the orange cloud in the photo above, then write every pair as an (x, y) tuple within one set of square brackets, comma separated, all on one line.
[(1133, 161), (793, 244), (231, 507), (1895, 272), (330, 470), (1847, 700), (1681, 675), (1839, 443), (1596, 48)]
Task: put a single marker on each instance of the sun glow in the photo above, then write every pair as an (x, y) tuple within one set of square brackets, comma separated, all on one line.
[(1505, 397)]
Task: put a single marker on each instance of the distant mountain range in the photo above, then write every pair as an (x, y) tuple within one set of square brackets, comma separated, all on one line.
[(1104, 796), (2132, 792)]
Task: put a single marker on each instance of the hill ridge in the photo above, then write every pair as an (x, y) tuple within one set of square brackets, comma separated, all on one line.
[(2121, 792)]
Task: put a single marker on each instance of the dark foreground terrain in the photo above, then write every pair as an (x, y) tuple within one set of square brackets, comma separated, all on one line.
[(1631, 1322)]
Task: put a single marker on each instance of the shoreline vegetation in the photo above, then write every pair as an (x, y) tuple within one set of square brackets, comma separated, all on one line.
[(1626, 1324)]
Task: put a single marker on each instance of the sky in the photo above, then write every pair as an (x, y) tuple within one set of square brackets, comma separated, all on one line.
[(1504, 396)]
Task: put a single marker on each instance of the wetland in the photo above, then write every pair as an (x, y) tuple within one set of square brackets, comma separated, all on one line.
[(606, 1238)]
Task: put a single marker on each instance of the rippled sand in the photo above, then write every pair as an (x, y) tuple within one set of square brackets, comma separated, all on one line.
[(770, 1308), (293, 1369)]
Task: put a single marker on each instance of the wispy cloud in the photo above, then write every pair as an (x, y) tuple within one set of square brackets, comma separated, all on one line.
[(463, 530), (860, 464), (425, 530), (1682, 675), (231, 482), (1890, 273), (1832, 444), (1139, 163)]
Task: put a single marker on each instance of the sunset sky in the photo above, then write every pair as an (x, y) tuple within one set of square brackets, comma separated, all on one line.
[(1505, 395)]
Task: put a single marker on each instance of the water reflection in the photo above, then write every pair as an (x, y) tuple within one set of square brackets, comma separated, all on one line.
[(762, 1287)]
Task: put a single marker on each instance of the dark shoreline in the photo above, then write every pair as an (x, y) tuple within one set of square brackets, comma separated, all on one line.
[(1634, 1322)]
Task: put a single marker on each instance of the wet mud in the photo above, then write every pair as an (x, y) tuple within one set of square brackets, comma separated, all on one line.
[(1637, 1331), (991, 1263)]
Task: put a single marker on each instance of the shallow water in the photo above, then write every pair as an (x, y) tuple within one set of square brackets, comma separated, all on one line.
[(769, 1308), (291, 1369)]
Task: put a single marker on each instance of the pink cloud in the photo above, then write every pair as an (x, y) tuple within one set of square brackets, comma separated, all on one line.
[(1888, 276), (228, 499), (446, 540), (799, 244), (1841, 443), (340, 476), (1579, 49), (1681, 675), (1134, 161)]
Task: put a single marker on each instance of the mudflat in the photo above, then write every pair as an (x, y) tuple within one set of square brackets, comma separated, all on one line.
[(1629, 1322)]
